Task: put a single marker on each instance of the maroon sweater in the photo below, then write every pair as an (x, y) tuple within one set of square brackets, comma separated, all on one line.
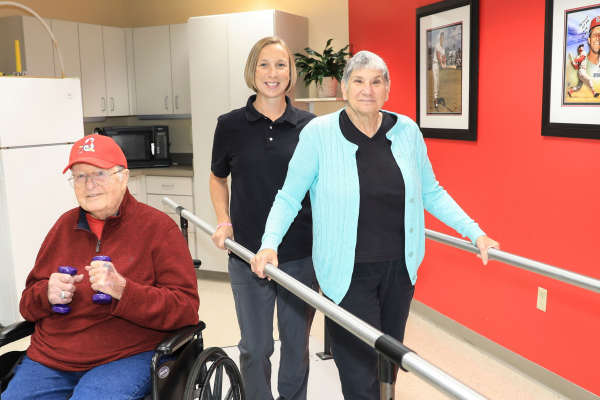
[(160, 295)]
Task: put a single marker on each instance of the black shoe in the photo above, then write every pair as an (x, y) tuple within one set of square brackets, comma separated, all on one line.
[(596, 94)]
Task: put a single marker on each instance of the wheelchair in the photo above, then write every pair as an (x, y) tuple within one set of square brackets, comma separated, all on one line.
[(190, 372)]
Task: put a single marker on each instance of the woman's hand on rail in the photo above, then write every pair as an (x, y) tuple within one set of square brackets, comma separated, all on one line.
[(484, 243), (260, 260), (224, 231)]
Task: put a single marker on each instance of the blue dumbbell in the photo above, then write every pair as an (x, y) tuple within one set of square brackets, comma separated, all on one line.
[(63, 308), (99, 297)]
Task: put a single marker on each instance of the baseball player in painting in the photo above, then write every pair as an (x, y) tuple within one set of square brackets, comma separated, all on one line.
[(588, 66), (593, 67), (439, 59)]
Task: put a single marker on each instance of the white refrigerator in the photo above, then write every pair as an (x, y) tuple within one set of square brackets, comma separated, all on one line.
[(39, 121)]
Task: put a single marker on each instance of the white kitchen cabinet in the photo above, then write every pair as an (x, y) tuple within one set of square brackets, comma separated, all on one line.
[(137, 187), (217, 86), (130, 69), (37, 52), (152, 54), (115, 68), (93, 80), (181, 69), (161, 65), (67, 36), (103, 70)]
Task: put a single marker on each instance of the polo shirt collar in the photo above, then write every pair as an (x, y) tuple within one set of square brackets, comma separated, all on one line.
[(290, 114)]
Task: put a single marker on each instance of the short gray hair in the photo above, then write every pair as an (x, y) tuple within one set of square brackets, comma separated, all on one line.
[(365, 59)]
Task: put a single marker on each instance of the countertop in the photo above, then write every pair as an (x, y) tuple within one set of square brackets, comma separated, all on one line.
[(165, 171)]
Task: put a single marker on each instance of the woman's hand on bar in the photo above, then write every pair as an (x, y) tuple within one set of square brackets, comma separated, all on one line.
[(260, 260), (484, 243)]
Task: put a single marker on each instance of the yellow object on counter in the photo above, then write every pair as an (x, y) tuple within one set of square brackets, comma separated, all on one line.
[(18, 56)]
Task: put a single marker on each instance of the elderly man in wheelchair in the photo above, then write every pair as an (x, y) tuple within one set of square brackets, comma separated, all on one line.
[(112, 300)]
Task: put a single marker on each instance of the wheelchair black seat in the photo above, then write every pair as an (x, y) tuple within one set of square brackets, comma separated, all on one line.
[(181, 367)]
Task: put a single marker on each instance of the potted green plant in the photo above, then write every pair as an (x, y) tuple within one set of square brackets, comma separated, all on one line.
[(325, 69)]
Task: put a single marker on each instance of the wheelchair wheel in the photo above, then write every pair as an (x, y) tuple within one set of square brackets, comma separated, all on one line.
[(214, 376)]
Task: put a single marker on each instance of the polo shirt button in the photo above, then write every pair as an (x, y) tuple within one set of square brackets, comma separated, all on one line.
[(412, 200), (411, 230), (410, 254)]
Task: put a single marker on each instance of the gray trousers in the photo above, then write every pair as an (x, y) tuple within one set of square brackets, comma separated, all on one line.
[(254, 305)]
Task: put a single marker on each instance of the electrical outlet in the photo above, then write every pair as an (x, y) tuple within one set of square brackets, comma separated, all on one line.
[(542, 298)]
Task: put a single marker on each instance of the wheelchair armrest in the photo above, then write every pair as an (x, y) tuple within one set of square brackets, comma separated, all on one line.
[(16, 331), (181, 337)]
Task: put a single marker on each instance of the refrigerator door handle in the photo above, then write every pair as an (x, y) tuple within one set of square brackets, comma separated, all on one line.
[(103, 102)]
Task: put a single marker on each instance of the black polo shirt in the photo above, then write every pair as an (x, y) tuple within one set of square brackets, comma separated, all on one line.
[(380, 233), (256, 152)]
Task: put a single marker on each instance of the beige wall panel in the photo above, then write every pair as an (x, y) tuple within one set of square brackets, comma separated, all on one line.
[(325, 18), (103, 12)]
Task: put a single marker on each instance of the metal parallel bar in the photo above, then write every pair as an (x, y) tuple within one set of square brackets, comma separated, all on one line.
[(550, 271), (394, 350)]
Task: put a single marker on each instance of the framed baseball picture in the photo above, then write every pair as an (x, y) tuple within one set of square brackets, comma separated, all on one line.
[(571, 94), (447, 69)]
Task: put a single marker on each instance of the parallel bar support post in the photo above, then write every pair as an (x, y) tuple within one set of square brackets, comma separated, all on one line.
[(326, 353), (386, 374), (183, 222)]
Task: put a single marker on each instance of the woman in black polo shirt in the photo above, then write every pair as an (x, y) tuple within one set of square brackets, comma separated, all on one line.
[(255, 144)]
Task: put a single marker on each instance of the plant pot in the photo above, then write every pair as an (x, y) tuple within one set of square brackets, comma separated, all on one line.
[(328, 88)]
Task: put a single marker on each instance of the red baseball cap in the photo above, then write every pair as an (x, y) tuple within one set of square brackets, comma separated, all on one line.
[(595, 22), (98, 150)]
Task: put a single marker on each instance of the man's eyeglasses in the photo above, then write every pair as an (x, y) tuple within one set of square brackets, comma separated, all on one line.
[(98, 178)]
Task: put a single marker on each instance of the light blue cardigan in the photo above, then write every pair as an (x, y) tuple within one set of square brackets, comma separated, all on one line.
[(325, 163)]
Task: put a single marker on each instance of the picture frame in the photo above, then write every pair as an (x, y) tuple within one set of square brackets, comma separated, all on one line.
[(571, 84), (447, 69)]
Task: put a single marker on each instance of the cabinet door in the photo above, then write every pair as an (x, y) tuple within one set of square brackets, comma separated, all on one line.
[(137, 187), (115, 68), (130, 69), (67, 35), (93, 84), (181, 69), (152, 55), (37, 49), (210, 76)]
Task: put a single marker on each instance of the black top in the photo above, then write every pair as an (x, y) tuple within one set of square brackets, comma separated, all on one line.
[(380, 235), (257, 151)]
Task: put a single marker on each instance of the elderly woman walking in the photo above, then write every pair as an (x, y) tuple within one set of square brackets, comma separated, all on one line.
[(370, 180)]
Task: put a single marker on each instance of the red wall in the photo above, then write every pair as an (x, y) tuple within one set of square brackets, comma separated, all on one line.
[(538, 196)]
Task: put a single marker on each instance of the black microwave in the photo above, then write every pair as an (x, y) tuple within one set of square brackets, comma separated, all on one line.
[(144, 146)]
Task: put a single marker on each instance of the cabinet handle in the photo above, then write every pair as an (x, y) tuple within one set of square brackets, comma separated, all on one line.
[(103, 102), (112, 104), (177, 102), (168, 185), (166, 102)]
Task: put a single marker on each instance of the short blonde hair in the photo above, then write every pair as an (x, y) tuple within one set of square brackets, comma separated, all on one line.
[(252, 61)]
